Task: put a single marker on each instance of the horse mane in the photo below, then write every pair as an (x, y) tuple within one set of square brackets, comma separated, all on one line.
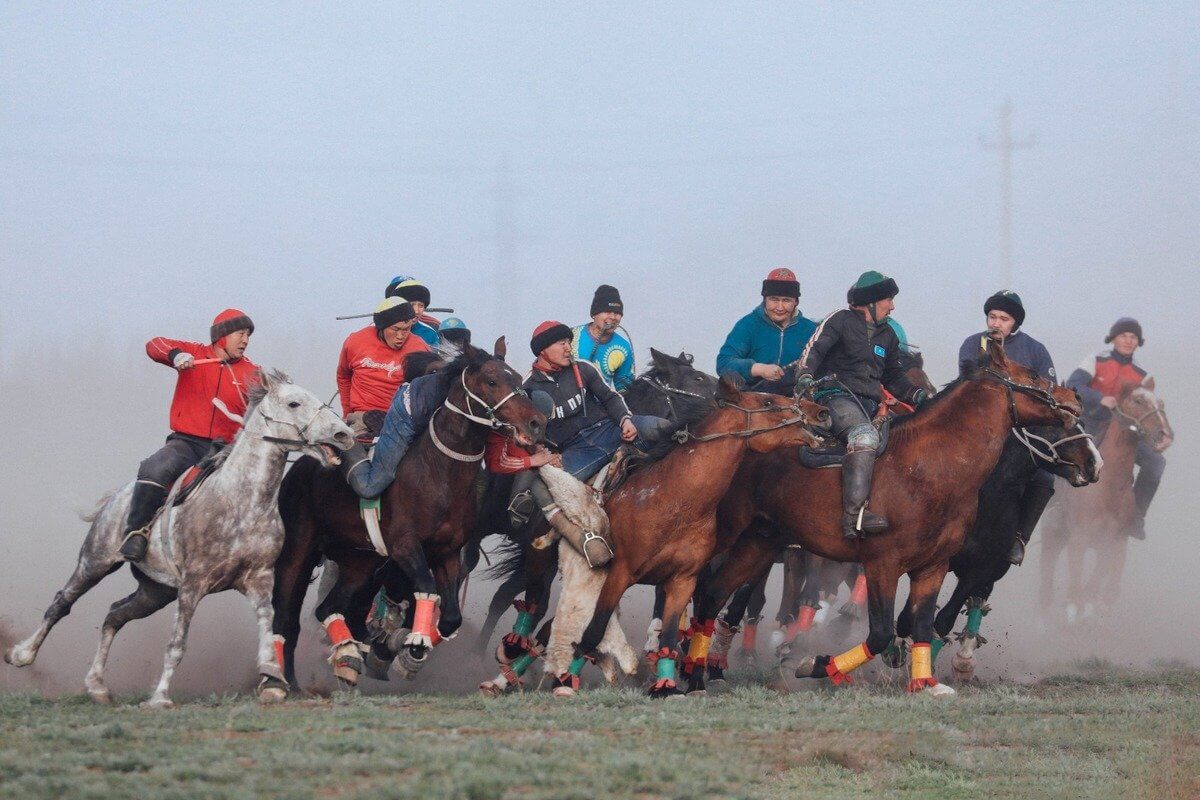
[(907, 425), (471, 357)]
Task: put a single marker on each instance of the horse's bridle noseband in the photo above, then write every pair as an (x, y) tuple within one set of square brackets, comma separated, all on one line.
[(1135, 424), (668, 391), (1035, 444), (489, 420), (301, 430), (1036, 392)]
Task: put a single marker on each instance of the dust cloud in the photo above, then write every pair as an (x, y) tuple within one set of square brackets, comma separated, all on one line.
[(84, 412)]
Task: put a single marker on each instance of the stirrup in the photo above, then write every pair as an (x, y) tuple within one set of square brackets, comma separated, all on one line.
[(142, 532), (590, 536)]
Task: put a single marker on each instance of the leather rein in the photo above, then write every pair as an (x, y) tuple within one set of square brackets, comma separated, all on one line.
[(685, 435), (488, 420)]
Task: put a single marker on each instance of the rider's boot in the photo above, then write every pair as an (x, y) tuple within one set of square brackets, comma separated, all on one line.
[(354, 468), (592, 545), (856, 490), (1033, 503), (1143, 493), (147, 499)]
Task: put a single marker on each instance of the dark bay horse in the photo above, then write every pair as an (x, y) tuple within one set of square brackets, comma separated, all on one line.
[(1098, 518), (926, 484), (663, 518), (1069, 453), (427, 515)]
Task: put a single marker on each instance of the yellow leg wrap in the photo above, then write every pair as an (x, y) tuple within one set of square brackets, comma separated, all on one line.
[(922, 668), (852, 659), (698, 649)]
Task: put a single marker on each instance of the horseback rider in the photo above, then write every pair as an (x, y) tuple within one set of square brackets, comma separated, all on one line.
[(1100, 381), (454, 331), (856, 351), (1005, 314), (371, 365), (208, 373), (599, 342), (771, 337), (417, 293)]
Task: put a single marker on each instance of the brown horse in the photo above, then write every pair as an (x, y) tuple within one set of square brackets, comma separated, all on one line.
[(926, 484), (1098, 517), (663, 518), (426, 518)]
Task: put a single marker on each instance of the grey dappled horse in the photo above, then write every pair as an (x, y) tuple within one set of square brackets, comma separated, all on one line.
[(226, 535)]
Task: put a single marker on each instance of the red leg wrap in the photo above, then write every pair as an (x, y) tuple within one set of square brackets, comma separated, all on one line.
[(804, 621), (337, 630), (750, 637), (423, 617), (859, 594), (279, 650)]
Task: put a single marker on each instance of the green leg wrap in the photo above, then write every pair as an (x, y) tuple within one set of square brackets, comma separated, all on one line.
[(577, 666), (521, 664), (524, 624), (381, 606), (666, 668), (935, 647), (365, 504), (975, 614)]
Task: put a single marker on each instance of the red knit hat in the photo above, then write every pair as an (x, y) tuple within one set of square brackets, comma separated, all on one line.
[(548, 333), (227, 322), (781, 282)]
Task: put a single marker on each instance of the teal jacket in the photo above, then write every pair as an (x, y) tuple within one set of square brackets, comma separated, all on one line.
[(757, 340)]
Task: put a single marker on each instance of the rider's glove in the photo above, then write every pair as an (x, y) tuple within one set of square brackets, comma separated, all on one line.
[(920, 398), (182, 360), (805, 384)]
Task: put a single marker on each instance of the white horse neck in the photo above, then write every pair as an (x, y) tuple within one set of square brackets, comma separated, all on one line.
[(254, 466)]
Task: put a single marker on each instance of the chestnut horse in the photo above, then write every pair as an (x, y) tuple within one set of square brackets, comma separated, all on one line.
[(426, 516), (926, 484), (1098, 518), (663, 518)]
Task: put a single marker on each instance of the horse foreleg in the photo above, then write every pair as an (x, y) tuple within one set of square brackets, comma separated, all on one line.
[(445, 573), (272, 687), (89, 571), (292, 573), (355, 575), (149, 597), (502, 600), (189, 598), (678, 591), (923, 592), (881, 613), (615, 584)]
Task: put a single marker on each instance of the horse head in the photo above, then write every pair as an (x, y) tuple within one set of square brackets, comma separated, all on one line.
[(913, 364), (769, 421), (490, 392), (1069, 452), (1032, 400), (294, 418), (1141, 410)]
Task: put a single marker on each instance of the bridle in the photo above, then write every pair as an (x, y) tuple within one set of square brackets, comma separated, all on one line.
[(668, 391), (801, 418), (301, 430), (487, 420), (1135, 423), (1041, 448), (1013, 388)]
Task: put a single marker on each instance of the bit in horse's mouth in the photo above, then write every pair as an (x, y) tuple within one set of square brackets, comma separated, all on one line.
[(330, 453)]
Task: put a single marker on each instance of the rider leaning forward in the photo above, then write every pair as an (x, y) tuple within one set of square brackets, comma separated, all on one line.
[(207, 373), (1005, 314), (770, 337), (1100, 382), (851, 353)]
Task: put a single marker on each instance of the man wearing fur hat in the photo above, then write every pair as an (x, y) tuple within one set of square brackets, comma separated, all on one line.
[(1005, 314), (206, 372), (764, 342), (599, 342), (858, 351), (417, 293), (371, 365), (1100, 381)]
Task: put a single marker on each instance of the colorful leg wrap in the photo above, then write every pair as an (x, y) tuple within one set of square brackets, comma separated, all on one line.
[(521, 636), (840, 667), (718, 650), (570, 678), (750, 636), (935, 647), (976, 611), (278, 641), (922, 667), (665, 670), (423, 620), (337, 630), (858, 595), (697, 654), (804, 621)]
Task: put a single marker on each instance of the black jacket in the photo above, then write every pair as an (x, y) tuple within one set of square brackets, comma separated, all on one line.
[(862, 356), (575, 407)]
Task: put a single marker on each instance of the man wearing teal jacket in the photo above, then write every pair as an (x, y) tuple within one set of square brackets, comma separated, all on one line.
[(770, 337)]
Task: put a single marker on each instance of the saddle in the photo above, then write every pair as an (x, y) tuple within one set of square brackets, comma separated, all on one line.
[(191, 480), (831, 455)]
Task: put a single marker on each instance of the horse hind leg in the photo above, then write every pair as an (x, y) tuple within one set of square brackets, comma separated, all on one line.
[(272, 688), (189, 598), (149, 597), (90, 570)]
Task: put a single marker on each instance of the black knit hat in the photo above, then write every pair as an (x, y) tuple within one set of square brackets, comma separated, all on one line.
[(391, 311), (871, 287), (607, 298), (547, 334), (408, 289), (781, 282), (1125, 325), (1009, 303)]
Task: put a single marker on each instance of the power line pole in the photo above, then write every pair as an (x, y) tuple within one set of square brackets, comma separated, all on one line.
[(1005, 144)]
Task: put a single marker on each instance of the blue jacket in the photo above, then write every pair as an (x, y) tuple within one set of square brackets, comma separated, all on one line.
[(411, 410), (1020, 347), (757, 340)]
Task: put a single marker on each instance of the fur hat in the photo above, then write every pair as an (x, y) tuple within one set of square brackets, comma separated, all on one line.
[(407, 288), (229, 321), (1009, 303), (548, 333), (781, 282), (871, 287), (391, 311), (606, 298)]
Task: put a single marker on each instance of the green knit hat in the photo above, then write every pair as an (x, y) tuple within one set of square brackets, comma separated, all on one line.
[(871, 287)]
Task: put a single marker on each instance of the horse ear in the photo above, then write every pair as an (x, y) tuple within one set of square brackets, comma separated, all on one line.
[(661, 360), (729, 388), (685, 358), (501, 349), (995, 349)]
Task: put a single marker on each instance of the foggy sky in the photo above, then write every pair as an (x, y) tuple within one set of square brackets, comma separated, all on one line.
[(161, 163)]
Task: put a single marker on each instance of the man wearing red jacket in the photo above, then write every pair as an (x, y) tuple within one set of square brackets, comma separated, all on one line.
[(207, 372), (371, 366)]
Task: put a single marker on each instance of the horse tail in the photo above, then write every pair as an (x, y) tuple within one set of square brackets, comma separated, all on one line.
[(94, 514), (508, 559)]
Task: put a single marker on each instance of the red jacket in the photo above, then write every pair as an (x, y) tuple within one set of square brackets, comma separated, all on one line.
[(192, 409), (503, 456), (369, 372)]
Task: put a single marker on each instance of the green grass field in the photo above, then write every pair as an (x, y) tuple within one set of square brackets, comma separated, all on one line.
[(1096, 733)]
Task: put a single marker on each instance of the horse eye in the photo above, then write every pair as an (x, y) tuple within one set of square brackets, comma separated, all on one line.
[(491, 382), (699, 379), (294, 404)]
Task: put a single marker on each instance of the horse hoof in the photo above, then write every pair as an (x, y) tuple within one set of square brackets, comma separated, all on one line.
[(776, 640), (939, 690), (490, 689), (806, 666), (157, 704), (271, 690), (718, 685), (563, 691), (896, 655), (101, 697), (376, 668), (963, 668), (18, 657), (699, 693)]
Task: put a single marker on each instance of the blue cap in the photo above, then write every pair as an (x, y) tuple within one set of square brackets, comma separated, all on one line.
[(453, 324)]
